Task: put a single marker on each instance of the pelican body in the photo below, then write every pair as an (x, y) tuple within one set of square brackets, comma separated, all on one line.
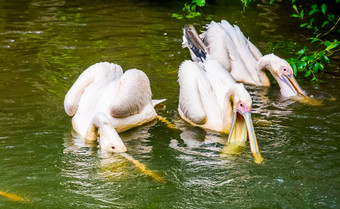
[(105, 101), (228, 45), (210, 98)]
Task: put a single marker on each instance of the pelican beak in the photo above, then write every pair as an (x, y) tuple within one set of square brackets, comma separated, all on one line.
[(252, 138), (241, 125), (293, 84)]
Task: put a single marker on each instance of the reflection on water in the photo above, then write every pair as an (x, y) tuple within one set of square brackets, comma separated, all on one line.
[(85, 164), (269, 16), (111, 161), (196, 141), (44, 45)]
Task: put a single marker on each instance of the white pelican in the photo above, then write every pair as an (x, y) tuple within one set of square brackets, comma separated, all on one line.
[(103, 101), (210, 98), (244, 61)]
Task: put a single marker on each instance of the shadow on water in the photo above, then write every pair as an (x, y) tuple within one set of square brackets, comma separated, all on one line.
[(45, 45)]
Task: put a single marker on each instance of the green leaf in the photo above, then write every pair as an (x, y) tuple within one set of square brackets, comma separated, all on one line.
[(301, 65), (314, 6), (178, 16), (301, 52), (295, 8), (295, 15), (312, 57), (314, 39), (193, 8), (186, 7), (313, 11), (337, 1), (294, 68), (200, 3), (292, 60), (325, 23), (303, 25), (307, 73), (193, 15), (331, 18), (317, 67), (311, 21), (304, 59), (245, 2), (332, 46), (323, 8)]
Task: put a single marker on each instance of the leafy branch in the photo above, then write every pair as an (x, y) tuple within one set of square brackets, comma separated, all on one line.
[(190, 9), (312, 62)]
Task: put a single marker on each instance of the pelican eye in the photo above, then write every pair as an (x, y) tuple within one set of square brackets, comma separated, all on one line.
[(113, 147), (241, 105)]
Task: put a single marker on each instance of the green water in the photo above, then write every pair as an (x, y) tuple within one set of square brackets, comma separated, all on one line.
[(45, 45)]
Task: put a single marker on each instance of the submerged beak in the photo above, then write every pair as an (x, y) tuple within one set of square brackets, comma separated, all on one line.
[(252, 138), (241, 125), (293, 84)]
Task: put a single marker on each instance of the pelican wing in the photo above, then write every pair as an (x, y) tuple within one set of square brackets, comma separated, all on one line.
[(91, 74), (133, 94), (217, 45), (254, 50), (246, 46), (156, 102), (190, 103), (242, 60), (193, 42)]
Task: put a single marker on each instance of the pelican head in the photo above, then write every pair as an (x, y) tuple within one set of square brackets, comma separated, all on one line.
[(109, 140), (283, 74), (242, 124)]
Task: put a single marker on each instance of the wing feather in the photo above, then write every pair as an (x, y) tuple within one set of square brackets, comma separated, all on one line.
[(217, 45), (254, 50), (133, 94), (193, 42), (189, 97), (242, 60), (94, 72)]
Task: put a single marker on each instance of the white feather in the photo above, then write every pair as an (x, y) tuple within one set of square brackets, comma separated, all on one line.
[(204, 90), (103, 92)]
